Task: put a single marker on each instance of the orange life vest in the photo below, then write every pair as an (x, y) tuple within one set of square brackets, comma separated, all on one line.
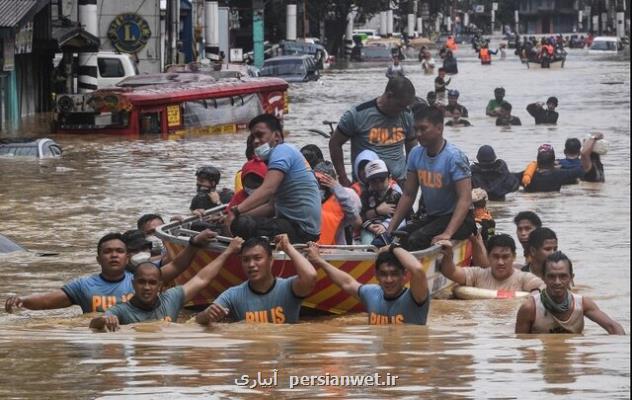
[(529, 172), (484, 55), (450, 44), (481, 214), (331, 218)]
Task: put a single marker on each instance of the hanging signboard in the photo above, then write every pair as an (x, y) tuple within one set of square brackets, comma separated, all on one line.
[(9, 54), (24, 39)]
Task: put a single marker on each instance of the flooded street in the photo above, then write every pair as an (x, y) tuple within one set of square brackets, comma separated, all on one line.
[(468, 349)]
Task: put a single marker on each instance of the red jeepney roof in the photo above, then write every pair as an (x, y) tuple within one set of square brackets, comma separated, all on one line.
[(199, 87)]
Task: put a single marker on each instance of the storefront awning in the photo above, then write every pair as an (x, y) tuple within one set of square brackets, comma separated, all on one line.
[(75, 39), (14, 13)]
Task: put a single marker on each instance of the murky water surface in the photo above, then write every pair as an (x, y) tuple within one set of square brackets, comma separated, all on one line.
[(468, 349)]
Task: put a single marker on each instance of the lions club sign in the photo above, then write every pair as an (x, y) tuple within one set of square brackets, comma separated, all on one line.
[(129, 33)]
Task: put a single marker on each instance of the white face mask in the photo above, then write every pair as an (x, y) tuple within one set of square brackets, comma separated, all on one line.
[(139, 258), (263, 152)]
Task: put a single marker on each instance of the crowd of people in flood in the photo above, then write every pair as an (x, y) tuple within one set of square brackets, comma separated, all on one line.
[(409, 189)]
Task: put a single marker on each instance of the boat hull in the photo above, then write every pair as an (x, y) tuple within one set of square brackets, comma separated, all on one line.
[(327, 296), (553, 65)]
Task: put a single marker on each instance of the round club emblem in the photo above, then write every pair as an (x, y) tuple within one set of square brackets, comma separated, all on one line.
[(129, 33)]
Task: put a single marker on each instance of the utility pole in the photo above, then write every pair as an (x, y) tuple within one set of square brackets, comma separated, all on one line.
[(257, 32)]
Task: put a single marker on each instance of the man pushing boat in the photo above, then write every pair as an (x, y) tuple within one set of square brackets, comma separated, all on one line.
[(388, 302), (113, 285), (264, 298), (149, 304)]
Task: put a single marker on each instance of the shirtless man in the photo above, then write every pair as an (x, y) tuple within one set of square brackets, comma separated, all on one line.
[(558, 310)]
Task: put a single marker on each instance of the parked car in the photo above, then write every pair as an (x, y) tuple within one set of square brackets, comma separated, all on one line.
[(291, 68), (34, 148)]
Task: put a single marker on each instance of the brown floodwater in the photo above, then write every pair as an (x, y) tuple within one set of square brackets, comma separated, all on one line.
[(468, 349)]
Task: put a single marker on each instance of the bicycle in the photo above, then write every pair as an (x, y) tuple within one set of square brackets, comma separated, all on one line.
[(325, 134)]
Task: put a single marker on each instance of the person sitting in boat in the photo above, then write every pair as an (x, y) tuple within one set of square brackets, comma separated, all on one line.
[(457, 121), (542, 115), (493, 108), (150, 303), (360, 162), (505, 118), (390, 301), (492, 174), (547, 52), (542, 242), (484, 221), (543, 176), (379, 202), (250, 154), (312, 154), (207, 179), (113, 285), (252, 174), (453, 104), (288, 200), (264, 298), (558, 310), (340, 206), (501, 275), (395, 69), (526, 222), (442, 172)]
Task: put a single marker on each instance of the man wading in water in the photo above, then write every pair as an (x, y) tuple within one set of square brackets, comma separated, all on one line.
[(98, 292), (558, 310), (149, 304)]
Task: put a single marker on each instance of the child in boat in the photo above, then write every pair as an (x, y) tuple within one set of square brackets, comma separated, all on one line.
[(207, 179), (484, 220), (252, 174), (379, 202)]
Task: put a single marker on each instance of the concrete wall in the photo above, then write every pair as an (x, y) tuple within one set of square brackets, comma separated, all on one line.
[(148, 56)]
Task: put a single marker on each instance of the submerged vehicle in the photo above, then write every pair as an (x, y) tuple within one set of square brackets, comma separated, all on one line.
[(172, 103), (301, 68), (32, 148), (605, 45), (357, 260)]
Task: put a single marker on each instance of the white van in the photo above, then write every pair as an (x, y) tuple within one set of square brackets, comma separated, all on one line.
[(606, 45), (111, 67)]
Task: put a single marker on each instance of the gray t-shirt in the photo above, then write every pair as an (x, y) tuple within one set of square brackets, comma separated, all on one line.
[(371, 129), (278, 306), (401, 310), (169, 305)]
